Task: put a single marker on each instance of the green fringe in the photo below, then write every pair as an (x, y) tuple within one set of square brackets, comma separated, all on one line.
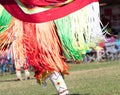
[(79, 32), (67, 39), (5, 20)]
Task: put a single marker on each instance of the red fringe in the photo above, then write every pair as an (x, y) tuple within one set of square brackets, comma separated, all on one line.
[(43, 48)]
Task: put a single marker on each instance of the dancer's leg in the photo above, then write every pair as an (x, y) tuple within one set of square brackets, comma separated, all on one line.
[(27, 74), (59, 83), (18, 69), (18, 74)]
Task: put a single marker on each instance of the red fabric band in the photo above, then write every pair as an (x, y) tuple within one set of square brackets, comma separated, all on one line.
[(52, 14)]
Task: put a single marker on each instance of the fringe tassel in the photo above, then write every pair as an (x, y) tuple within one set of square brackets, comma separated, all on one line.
[(80, 30), (5, 19), (6, 24), (19, 52), (43, 49)]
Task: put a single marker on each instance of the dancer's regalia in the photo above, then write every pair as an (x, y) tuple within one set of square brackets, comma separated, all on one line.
[(51, 28)]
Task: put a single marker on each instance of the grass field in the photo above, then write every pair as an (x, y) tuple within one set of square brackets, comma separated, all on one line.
[(84, 79)]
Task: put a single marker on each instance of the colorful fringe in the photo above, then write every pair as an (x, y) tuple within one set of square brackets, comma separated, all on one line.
[(40, 44), (6, 23), (43, 49), (43, 43), (80, 31), (18, 49)]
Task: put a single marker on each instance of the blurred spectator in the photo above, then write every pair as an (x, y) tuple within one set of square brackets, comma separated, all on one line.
[(3, 62), (110, 38)]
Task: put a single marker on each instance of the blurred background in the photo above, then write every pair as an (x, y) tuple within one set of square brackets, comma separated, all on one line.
[(110, 9)]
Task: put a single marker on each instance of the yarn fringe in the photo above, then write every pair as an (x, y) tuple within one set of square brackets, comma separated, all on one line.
[(80, 31)]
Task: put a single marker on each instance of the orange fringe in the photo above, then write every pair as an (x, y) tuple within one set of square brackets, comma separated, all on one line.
[(43, 48), (6, 37)]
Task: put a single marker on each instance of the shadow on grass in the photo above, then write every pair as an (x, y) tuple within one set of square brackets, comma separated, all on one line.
[(79, 94), (13, 80), (76, 94)]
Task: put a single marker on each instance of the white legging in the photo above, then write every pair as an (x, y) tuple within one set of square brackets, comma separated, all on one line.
[(59, 83)]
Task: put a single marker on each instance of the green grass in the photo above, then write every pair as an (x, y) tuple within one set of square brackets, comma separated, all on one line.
[(84, 79)]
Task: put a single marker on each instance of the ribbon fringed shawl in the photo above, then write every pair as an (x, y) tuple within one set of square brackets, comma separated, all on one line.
[(73, 30)]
